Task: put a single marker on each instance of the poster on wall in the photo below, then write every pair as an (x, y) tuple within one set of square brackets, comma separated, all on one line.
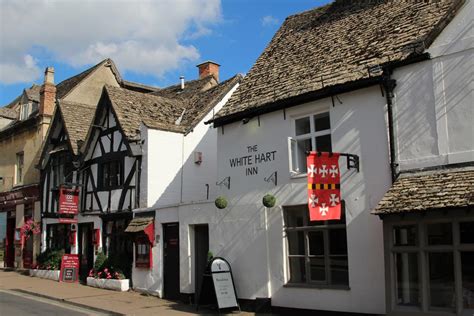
[(69, 268), (68, 200), (324, 196)]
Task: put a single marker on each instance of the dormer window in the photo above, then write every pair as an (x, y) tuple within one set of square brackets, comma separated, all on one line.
[(25, 111)]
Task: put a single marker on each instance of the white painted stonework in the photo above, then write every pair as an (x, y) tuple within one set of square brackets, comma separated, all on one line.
[(45, 274), (171, 183), (434, 100), (109, 284)]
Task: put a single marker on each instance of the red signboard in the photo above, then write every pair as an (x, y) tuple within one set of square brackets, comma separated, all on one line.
[(69, 268), (68, 220), (68, 200), (324, 197)]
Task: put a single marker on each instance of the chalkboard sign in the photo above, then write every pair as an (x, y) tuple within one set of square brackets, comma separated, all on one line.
[(219, 273), (69, 268)]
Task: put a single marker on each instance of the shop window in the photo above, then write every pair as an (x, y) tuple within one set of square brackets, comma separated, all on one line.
[(445, 252), (317, 251), (20, 160), (143, 252), (57, 237), (110, 174), (311, 133)]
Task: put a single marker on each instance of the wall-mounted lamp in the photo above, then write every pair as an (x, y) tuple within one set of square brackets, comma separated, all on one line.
[(272, 178)]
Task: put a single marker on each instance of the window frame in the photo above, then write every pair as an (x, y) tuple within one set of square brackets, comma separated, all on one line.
[(423, 250), (19, 168), (101, 176), (325, 228), (294, 168)]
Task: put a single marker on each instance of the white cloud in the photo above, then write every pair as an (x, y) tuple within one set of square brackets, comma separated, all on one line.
[(269, 20), (143, 36), (24, 71)]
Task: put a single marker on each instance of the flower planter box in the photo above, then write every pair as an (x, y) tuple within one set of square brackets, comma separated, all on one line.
[(45, 274), (110, 284)]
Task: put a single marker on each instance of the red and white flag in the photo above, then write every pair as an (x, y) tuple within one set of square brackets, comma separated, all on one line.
[(324, 195)]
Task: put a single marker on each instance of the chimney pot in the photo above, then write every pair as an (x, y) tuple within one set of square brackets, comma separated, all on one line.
[(208, 68), (49, 75), (48, 93)]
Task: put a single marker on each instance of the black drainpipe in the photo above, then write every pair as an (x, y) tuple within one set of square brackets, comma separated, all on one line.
[(389, 85)]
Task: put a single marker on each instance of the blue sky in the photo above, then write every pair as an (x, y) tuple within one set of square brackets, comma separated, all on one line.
[(152, 42)]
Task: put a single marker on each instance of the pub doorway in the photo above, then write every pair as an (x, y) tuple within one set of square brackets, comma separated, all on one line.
[(171, 261), (201, 249), (86, 249)]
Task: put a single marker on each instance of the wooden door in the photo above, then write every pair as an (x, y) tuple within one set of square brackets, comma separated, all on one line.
[(171, 260), (201, 248)]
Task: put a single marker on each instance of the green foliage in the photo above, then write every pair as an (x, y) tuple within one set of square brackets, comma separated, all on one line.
[(269, 200), (50, 259), (210, 255), (221, 202), (100, 261)]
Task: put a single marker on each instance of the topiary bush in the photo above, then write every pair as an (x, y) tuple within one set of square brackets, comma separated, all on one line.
[(50, 259), (269, 200), (221, 202)]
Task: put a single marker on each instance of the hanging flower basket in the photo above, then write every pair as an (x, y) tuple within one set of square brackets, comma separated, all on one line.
[(221, 202), (29, 229), (269, 200)]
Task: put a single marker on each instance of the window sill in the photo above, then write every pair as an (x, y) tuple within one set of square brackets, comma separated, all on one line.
[(298, 175), (317, 286)]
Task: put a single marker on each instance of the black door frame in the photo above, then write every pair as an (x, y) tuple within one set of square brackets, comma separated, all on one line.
[(201, 249), (171, 266)]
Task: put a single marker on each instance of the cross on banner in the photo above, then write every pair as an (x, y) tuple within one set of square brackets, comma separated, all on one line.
[(324, 197)]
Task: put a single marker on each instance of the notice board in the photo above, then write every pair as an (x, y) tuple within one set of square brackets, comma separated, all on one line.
[(69, 269), (223, 283)]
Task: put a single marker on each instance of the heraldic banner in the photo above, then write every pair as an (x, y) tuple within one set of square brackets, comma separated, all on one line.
[(324, 196)]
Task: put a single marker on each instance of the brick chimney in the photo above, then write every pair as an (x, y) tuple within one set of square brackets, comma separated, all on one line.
[(48, 93), (208, 68)]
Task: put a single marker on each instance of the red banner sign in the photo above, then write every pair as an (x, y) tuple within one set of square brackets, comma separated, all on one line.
[(324, 197), (69, 269), (68, 201)]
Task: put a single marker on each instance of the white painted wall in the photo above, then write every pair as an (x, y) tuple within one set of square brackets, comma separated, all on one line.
[(434, 100), (171, 183), (241, 232), (169, 174)]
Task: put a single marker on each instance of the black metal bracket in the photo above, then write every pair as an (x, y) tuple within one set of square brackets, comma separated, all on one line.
[(352, 160), (272, 178), (225, 182)]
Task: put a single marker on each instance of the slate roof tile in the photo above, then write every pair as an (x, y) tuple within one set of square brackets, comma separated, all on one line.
[(336, 44), (423, 191)]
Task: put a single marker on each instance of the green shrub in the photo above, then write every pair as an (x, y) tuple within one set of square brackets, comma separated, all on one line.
[(221, 202), (50, 259), (100, 261), (269, 200)]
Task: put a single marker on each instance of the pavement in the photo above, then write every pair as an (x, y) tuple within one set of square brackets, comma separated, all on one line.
[(94, 299)]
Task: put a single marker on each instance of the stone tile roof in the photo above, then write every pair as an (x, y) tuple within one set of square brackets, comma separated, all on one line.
[(77, 118), (138, 224), (8, 113), (448, 188), (33, 93), (336, 44), (170, 109)]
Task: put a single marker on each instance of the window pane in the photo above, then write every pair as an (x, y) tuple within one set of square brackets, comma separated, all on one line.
[(321, 122), (302, 126), (405, 235), (316, 243), (297, 270), (296, 243), (467, 232), (467, 263), (323, 143), (303, 145), (295, 216), (441, 280), (318, 271), (337, 242), (440, 234), (339, 270), (408, 291)]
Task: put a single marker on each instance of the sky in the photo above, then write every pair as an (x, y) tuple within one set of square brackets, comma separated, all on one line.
[(152, 42)]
